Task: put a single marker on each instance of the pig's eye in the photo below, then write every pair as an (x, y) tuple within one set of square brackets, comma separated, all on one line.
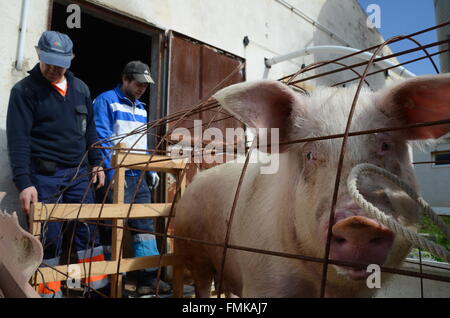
[(385, 146), (309, 156)]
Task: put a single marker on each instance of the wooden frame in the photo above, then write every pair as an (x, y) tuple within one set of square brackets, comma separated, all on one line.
[(116, 211)]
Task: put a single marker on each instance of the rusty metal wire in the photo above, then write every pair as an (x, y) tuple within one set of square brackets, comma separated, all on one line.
[(282, 254), (208, 104)]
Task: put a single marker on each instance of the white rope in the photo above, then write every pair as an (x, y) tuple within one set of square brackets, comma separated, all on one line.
[(414, 238)]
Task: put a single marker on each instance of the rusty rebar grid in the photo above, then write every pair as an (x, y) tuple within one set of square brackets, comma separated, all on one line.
[(211, 105)]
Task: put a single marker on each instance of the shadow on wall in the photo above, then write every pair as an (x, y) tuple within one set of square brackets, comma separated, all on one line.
[(11, 202), (348, 23)]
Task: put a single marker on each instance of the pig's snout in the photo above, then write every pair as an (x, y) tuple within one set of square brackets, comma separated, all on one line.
[(360, 240)]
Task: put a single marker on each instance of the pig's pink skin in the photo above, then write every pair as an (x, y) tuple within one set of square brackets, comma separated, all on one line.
[(289, 211)]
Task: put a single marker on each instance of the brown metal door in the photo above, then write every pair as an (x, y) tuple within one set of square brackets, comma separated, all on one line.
[(196, 72)]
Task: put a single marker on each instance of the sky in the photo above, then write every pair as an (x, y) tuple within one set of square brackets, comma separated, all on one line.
[(403, 17)]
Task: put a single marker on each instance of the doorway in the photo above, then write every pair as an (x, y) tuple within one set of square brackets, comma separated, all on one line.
[(105, 43)]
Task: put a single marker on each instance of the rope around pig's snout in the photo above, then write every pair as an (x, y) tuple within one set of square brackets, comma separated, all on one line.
[(414, 238)]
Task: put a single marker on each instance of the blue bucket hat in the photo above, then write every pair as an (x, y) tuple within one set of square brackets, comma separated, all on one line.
[(55, 49)]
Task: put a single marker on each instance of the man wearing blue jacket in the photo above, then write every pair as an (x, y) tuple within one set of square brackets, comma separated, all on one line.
[(50, 126), (117, 113)]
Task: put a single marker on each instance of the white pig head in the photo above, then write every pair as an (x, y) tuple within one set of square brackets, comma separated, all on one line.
[(309, 168)]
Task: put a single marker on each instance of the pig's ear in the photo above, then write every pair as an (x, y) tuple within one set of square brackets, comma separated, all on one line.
[(261, 104), (421, 99)]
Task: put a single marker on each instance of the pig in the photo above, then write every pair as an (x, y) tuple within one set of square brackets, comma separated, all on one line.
[(289, 211), (20, 255)]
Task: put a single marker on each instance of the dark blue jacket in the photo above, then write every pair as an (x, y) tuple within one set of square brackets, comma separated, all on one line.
[(41, 123)]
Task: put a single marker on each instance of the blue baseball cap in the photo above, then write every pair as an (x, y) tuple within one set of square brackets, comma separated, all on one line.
[(55, 49)]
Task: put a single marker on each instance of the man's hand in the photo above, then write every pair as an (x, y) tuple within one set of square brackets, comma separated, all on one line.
[(27, 196), (98, 175)]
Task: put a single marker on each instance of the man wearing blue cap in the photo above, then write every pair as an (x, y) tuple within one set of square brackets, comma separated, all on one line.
[(50, 127), (118, 112)]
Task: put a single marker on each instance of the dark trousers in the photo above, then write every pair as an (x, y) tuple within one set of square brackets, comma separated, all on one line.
[(64, 186)]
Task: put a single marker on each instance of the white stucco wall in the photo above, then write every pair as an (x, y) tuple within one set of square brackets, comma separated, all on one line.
[(9, 33), (400, 286), (434, 180), (272, 27)]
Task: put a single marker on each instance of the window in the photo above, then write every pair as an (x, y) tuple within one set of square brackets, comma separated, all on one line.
[(441, 158)]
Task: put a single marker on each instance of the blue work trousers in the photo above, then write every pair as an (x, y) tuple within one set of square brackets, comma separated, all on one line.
[(67, 185), (144, 243)]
